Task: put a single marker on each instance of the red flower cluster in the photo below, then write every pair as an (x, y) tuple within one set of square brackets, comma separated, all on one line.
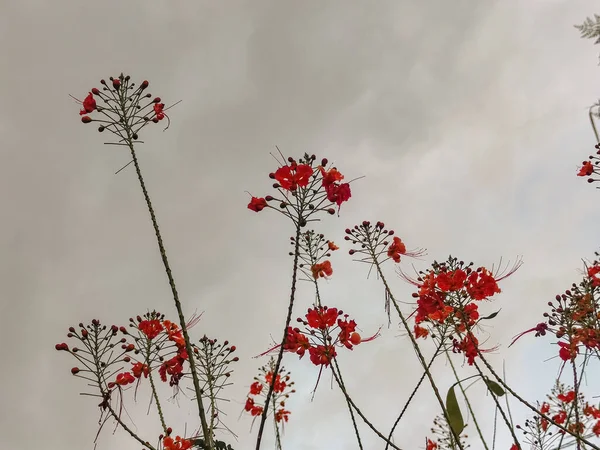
[(327, 322), (89, 103), (176, 444), (295, 175), (322, 270), (281, 391), (447, 295), (337, 192)]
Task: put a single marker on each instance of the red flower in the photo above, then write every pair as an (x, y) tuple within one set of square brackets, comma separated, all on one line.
[(332, 246), (322, 317), (151, 328), (257, 204), (432, 445), (252, 408), (593, 273), (173, 367), (89, 105), (420, 332), (139, 368), (567, 398), (176, 444), (124, 379), (331, 176), (545, 409), (159, 111), (560, 417), (282, 414), (430, 305), (481, 284), (591, 411), (396, 249), (322, 269), (174, 333), (256, 388), (279, 385), (321, 355), (338, 193), (568, 352), (348, 336), (586, 169), (596, 429), (451, 281), (293, 176), (469, 347), (514, 447), (295, 342)]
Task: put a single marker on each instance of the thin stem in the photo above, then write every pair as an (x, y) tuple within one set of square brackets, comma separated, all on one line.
[(126, 428), (464, 393), (416, 347), (153, 387), (499, 408), (342, 385), (576, 403), (413, 393), (347, 398), (205, 430), (277, 436), (360, 413), (526, 403), (281, 349)]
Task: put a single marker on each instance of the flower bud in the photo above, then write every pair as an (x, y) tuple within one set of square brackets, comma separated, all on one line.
[(95, 91), (75, 370), (144, 85), (233, 348), (324, 162), (116, 83), (86, 119)]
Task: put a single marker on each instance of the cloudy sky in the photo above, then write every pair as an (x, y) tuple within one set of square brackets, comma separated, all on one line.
[(467, 120)]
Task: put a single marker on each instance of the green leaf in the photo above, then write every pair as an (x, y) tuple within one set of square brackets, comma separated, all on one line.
[(455, 418), (494, 387), (491, 316)]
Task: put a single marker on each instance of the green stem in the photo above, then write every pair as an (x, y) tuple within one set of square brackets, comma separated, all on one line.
[(281, 349), (499, 408), (153, 387), (277, 436), (416, 347), (360, 413), (413, 393), (205, 430), (343, 387), (526, 403), (464, 393)]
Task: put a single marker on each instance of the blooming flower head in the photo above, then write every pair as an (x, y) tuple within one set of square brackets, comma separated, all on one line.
[(176, 444), (89, 104), (125, 108), (292, 176), (151, 328), (586, 169), (257, 204), (322, 270)]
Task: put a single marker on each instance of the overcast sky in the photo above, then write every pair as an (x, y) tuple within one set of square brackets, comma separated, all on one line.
[(467, 119)]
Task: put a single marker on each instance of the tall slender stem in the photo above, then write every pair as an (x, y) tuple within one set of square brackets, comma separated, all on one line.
[(469, 407), (263, 418), (163, 255), (415, 345)]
